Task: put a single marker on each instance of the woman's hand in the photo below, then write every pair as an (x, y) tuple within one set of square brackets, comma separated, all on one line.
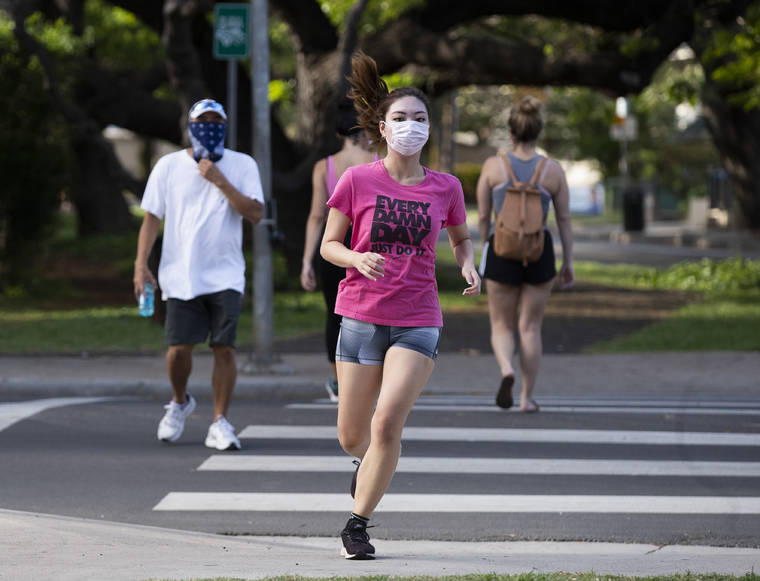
[(370, 265), (308, 280), (472, 277), (566, 276)]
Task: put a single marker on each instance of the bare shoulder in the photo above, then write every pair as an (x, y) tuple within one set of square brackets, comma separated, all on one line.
[(320, 167), (554, 176), (492, 169)]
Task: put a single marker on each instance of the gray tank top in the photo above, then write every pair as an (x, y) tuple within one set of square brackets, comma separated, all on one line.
[(523, 171)]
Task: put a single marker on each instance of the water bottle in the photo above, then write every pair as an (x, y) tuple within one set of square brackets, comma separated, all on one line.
[(145, 304)]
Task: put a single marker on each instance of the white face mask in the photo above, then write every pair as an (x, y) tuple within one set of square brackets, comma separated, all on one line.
[(408, 137)]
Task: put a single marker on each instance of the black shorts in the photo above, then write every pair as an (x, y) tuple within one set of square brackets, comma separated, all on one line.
[(512, 272), (190, 322)]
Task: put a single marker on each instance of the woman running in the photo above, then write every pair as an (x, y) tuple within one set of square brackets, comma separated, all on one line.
[(392, 320)]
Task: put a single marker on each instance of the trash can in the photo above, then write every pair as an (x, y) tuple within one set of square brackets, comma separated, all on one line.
[(633, 210)]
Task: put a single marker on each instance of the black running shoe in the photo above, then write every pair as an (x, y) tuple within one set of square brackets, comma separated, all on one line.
[(353, 479), (356, 543)]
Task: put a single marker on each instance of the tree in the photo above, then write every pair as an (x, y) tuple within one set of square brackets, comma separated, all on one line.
[(446, 43), (729, 50), (31, 141)]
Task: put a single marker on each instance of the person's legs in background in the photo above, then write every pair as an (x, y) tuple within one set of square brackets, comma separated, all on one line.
[(502, 313), (533, 299), (331, 277)]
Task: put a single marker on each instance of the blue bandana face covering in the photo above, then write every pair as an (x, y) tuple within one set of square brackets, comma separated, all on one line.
[(207, 139)]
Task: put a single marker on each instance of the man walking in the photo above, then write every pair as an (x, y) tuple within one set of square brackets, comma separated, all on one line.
[(202, 194)]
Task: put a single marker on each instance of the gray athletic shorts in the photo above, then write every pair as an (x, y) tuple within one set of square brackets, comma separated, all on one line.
[(367, 343), (190, 322)]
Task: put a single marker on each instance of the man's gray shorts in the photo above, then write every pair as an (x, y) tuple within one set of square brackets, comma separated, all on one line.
[(367, 343), (190, 322)]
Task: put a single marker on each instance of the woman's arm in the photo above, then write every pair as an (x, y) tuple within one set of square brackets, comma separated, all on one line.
[(485, 204), (369, 264), (561, 201), (314, 224), (459, 238)]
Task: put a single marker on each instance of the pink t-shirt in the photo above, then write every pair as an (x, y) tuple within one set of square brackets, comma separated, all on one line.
[(403, 224)]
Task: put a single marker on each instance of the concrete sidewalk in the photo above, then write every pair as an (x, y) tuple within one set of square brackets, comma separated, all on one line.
[(681, 375), (45, 547)]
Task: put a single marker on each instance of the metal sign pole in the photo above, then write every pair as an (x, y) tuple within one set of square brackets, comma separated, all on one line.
[(263, 286), (232, 84)]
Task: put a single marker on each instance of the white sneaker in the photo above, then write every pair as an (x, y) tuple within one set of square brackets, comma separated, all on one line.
[(172, 425), (221, 435), (331, 386)]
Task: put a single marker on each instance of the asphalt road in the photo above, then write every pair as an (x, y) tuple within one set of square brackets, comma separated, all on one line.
[(474, 473)]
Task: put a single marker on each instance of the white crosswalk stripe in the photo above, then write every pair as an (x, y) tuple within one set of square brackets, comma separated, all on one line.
[(520, 435), (671, 497), (550, 466), (288, 502), (581, 405)]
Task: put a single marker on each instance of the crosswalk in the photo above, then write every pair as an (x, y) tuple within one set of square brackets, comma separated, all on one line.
[(678, 462)]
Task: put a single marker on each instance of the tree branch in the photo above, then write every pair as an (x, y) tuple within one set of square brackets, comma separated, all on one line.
[(348, 41), (457, 60), (310, 26), (150, 12), (182, 61), (440, 15)]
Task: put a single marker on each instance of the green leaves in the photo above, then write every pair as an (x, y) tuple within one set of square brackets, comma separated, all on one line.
[(734, 56)]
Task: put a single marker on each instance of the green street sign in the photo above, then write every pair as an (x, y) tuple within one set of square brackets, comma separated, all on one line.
[(231, 31)]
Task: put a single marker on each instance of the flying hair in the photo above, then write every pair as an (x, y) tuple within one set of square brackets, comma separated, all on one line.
[(371, 96)]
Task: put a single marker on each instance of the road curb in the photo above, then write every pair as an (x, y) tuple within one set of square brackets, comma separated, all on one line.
[(257, 389)]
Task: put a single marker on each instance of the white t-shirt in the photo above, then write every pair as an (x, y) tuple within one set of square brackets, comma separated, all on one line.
[(203, 234)]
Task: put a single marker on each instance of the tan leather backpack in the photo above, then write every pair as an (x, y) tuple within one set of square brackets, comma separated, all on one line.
[(519, 233)]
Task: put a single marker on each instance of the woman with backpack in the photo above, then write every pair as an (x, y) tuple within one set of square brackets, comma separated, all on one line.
[(392, 320), (518, 288)]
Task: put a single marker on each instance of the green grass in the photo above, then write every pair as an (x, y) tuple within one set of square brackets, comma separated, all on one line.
[(724, 316), (590, 576), (727, 323), (121, 329)]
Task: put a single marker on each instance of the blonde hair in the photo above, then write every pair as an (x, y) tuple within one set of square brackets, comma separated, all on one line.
[(525, 119), (371, 96)]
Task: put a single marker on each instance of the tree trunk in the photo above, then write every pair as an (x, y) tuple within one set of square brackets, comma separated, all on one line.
[(736, 133), (97, 193), (317, 100)]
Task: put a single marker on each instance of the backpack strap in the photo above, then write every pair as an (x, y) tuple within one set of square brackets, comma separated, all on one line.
[(503, 167), (538, 173), (507, 167)]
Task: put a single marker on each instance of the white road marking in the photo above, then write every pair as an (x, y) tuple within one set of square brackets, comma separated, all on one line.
[(520, 435), (581, 409), (440, 503), (450, 465), (13, 412)]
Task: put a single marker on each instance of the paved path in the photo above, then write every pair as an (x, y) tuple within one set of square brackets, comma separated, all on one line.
[(60, 548), (719, 374)]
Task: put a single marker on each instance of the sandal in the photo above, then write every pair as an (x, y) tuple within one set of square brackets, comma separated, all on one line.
[(529, 407), (504, 396)]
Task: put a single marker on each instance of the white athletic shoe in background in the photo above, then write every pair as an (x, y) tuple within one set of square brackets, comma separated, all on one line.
[(172, 425), (221, 435)]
